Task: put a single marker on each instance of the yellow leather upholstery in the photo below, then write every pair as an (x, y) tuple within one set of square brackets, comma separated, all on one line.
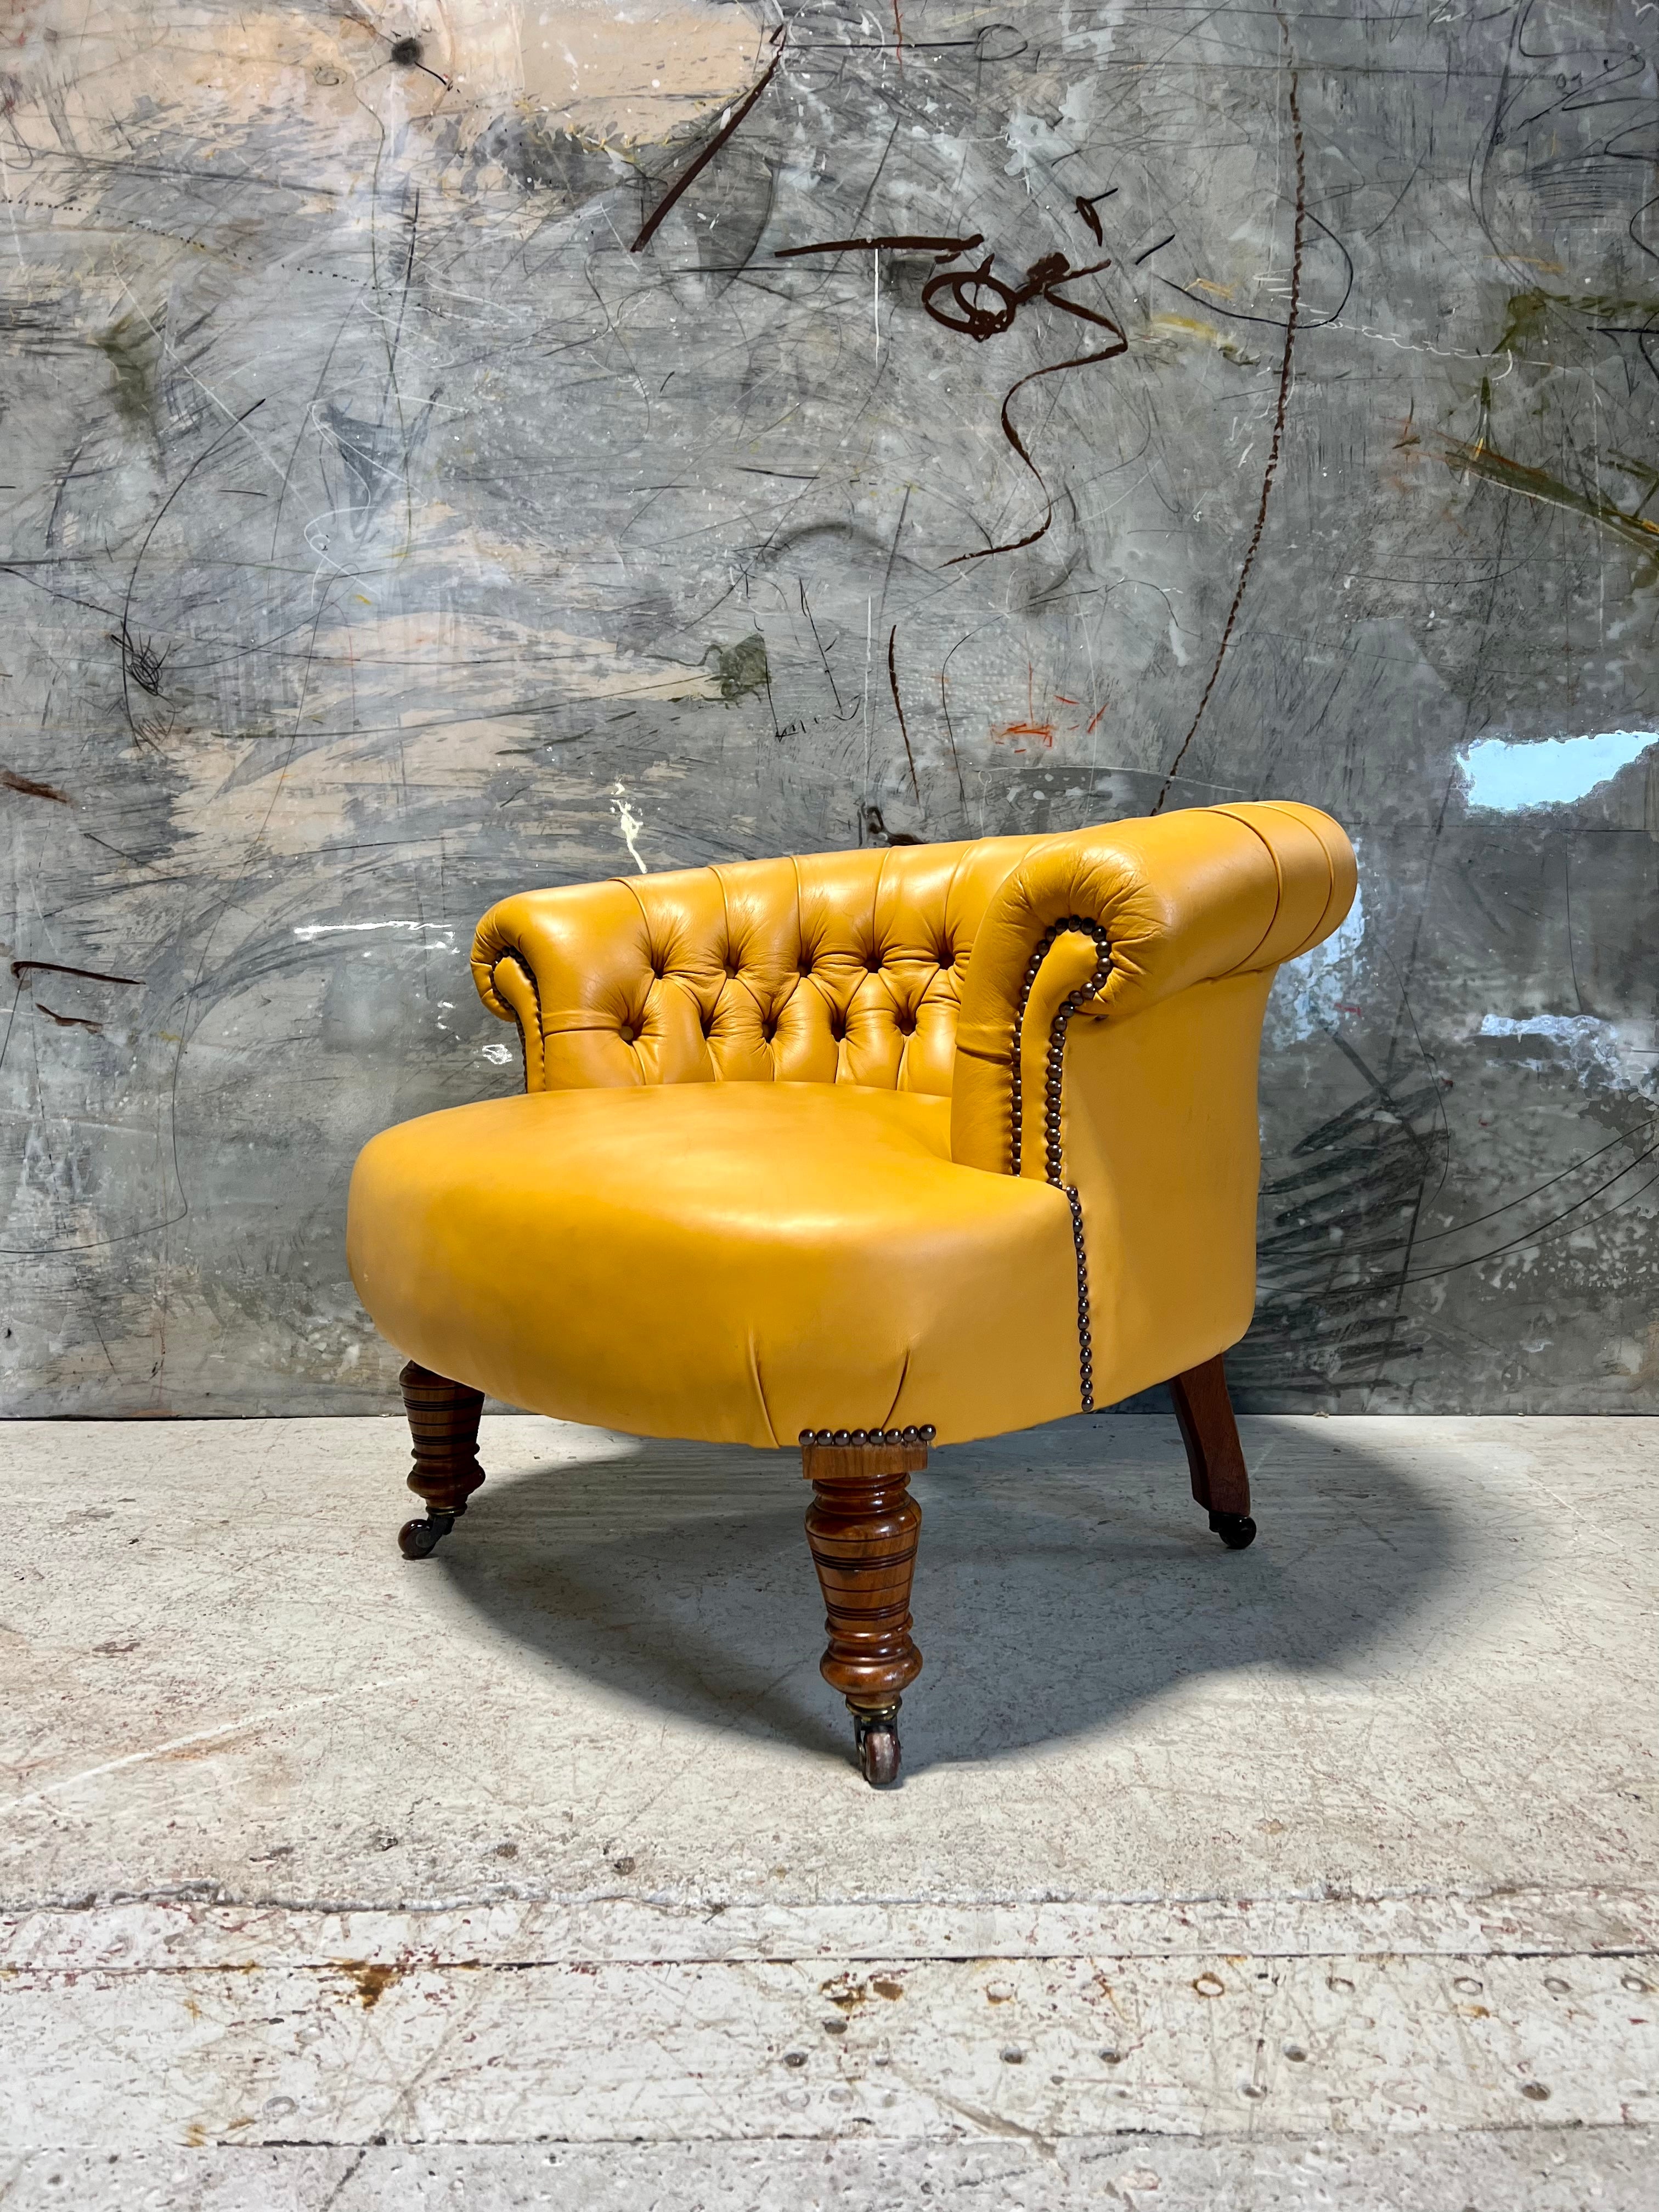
[(760, 1179), (835, 968), (732, 1261)]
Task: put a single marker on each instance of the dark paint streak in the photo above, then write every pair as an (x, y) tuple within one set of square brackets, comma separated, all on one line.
[(26, 787), (1277, 445), (688, 176), (21, 968), (896, 242), (1054, 369), (124, 638), (1085, 206), (1213, 306), (899, 708)]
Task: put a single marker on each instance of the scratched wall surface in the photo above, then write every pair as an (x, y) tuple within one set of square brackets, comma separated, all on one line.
[(441, 456)]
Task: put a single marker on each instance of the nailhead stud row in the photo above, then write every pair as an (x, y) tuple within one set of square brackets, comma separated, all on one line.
[(923, 1436), (1090, 989), (1053, 1161)]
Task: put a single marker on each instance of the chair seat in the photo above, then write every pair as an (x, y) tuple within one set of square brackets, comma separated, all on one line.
[(733, 1261)]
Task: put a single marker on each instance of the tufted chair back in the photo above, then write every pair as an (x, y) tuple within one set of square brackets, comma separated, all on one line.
[(829, 968)]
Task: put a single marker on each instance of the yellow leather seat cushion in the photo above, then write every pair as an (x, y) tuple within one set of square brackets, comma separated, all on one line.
[(731, 1262)]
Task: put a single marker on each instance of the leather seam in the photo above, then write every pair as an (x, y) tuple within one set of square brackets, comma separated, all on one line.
[(903, 1377), (1241, 967), (760, 1392), (516, 957), (641, 1077), (1314, 936)]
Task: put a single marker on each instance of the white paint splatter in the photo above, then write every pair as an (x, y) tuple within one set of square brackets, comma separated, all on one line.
[(500, 1053), (1506, 775), (630, 823), (305, 931), (1033, 142), (1623, 1054), (1310, 993)]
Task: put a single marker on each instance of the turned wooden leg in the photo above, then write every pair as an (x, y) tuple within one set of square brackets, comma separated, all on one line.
[(1220, 1482), (862, 1527), (443, 1420)]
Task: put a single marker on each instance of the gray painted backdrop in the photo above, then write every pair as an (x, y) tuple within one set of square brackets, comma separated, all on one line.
[(383, 532)]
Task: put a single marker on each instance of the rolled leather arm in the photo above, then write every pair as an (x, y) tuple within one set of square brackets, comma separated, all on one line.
[(1182, 898), (623, 982), (569, 966)]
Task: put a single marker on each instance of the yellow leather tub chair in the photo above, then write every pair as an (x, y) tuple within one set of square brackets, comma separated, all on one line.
[(857, 1151)]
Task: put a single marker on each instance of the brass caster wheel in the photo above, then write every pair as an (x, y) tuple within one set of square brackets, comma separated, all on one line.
[(1235, 1530), (877, 1739), (418, 1539)]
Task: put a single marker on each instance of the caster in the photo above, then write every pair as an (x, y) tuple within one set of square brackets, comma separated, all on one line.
[(876, 1736), (418, 1539), (1235, 1530)]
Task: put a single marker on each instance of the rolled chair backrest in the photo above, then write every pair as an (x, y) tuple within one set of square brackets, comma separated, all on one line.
[(829, 967), (898, 967)]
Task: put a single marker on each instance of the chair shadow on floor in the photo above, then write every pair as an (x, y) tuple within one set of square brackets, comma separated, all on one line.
[(1065, 1575)]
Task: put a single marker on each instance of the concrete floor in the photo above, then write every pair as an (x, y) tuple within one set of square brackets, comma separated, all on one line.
[(537, 1873)]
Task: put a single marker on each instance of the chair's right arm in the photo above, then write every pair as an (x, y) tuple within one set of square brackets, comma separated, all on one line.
[(569, 966), (619, 983)]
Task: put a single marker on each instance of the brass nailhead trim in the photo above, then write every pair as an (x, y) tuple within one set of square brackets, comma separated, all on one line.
[(1053, 1167), (922, 1436)]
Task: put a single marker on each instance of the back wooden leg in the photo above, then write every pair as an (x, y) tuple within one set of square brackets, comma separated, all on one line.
[(1220, 1483), (862, 1527), (443, 1421)]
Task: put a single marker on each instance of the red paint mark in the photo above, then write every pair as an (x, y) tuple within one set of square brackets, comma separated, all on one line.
[(898, 35), (1095, 719), (1030, 727), (1065, 701)]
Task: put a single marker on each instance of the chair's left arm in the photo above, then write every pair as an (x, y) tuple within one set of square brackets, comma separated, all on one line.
[(1174, 901), (1108, 1043)]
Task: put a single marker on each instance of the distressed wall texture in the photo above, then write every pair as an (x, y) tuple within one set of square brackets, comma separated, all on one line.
[(410, 494)]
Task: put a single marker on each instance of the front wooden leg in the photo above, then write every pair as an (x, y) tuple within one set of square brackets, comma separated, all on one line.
[(862, 1527), (1220, 1482), (443, 1421)]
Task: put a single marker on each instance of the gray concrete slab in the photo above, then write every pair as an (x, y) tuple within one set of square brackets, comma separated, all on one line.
[(1342, 1848), (1522, 2171)]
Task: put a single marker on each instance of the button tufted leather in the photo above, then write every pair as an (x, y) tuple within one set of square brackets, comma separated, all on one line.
[(817, 940)]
